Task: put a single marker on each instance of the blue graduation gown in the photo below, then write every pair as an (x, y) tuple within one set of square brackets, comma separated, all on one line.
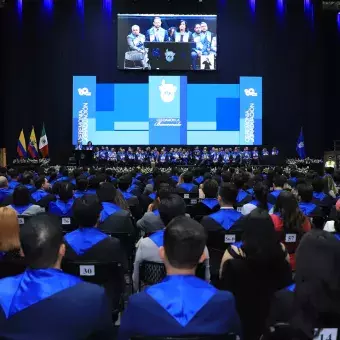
[(61, 209), (108, 210), (180, 305), (4, 193), (226, 218), (187, 186), (49, 304), (39, 194)]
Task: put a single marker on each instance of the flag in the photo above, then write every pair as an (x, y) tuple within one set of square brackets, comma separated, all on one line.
[(43, 143), (32, 145), (21, 148), (300, 146)]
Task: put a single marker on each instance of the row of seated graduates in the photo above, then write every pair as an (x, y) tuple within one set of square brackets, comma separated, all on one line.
[(232, 190)]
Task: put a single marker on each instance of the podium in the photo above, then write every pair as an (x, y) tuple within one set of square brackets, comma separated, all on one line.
[(83, 157), (170, 55)]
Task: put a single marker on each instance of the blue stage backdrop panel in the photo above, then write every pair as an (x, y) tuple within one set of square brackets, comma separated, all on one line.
[(167, 111)]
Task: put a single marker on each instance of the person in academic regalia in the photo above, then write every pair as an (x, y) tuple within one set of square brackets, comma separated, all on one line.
[(79, 146), (27, 181), (43, 194), (46, 302), (210, 203), (182, 304), (246, 156), (103, 155), (265, 152), (163, 158), (89, 146), (313, 301), (236, 156), (279, 183), (96, 154), (187, 185), (275, 151), (255, 155), (323, 200), (115, 215), (131, 156), (62, 207), (22, 202), (243, 197), (82, 184), (5, 191), (222, 221), (306, 204), (261, 200), (90, 243), (124, 184), (14, 181), (197, 155)]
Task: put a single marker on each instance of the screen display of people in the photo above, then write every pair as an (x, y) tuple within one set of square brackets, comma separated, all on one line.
[(167, 42)]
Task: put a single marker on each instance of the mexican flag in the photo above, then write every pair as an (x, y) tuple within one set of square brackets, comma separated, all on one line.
[(43, 143)]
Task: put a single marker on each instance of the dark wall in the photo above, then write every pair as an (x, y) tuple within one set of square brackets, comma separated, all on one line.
[(41, 51)]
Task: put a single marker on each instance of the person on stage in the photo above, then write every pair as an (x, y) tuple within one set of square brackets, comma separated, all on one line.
[(255, 155), (265, 152), (226, 156), (163, 157), (206, 34), (157, 33), (215, 156), (171, 34), (236, 156), (112, 155), (183, 35), (79, 146), (246, 156), (185, 157), (197, 155), (275, 151), (201, 45), (121, 156), (131, 156), (102, 154), (89, 146), (96, 154), (140, 156), (175, 156), (205, 156)]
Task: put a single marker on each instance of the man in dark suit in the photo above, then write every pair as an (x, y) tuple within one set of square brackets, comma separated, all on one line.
[(135, 41), (156, 32), (181, 304), (187, 185), (44, 301), (210, 203)]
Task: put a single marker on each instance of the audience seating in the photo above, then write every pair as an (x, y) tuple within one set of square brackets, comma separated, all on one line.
[(190, 199), (110, 275), (22, 219), (68, 224)]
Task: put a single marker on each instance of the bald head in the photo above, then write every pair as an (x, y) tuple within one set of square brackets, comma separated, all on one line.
[(3, 182)]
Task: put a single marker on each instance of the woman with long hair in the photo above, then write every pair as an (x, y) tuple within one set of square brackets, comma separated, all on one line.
[(313, 302), (254, 270), (290, 222), (261, 192), (9, 230)]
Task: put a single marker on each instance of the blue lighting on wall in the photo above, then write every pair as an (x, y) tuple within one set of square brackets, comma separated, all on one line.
[(252, 4), (107, 6), (309, 10), (307, 5), (48, 5), (280, 5), (338, 20), (19, 7), (80, 6)]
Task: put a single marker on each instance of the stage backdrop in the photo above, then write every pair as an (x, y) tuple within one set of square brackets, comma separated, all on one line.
[(44, 47)]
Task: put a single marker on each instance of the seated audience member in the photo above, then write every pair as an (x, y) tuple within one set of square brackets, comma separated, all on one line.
[(305, 192), (81, 187), (151, 220), (289, 219), (44, 292), (27, 181), (242, 197), (209, 204), (42, 186), (226, 177), (260, 201), (170, 206), (321, 199), (21, 202), (94, 183), (14, 175), (76, 173), (278, 185), (9, 242), (182, 304), (224, 219), (5, 191), (187, 185), (199, 179), (293, 178), (63, 175), (313, 302), (62, 207), (88, 243), (115, 215), (124, 184), (254, 270), (333, 226)]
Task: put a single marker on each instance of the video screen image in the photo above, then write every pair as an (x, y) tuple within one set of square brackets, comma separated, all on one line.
[(167, 111), (167, 42)]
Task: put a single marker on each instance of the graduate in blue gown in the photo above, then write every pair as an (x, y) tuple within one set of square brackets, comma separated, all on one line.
[(42, 187), (46, 302), (306, 204), (14, 178), (62, 207), (187, 185), (279, 183), (5, 191), (181, 304)]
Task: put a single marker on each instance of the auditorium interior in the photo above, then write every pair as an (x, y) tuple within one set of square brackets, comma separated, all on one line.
[(169, 170)]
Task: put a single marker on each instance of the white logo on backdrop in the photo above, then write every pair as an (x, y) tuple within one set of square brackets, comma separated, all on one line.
[(84, 92), (250, 92), (169, 56), (167, 92)]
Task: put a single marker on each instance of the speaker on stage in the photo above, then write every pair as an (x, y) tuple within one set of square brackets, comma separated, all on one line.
[(83, 157)]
